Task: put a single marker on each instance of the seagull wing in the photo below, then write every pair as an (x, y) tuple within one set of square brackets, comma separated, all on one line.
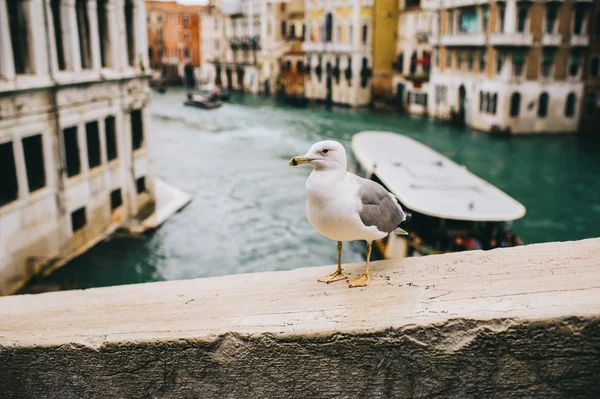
[(380, 208)]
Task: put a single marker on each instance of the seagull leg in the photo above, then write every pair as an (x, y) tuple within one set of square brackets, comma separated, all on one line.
[(338, 274), (363, 280)]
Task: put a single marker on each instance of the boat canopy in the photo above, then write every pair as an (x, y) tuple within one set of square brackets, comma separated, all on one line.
[(428, 182)]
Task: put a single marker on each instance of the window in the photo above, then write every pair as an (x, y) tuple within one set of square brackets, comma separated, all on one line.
[(578, 20), (140, 185), (283, 28), (83, 29), (459, 60), (470, 59), (129, 31), (137, 129), (448, 60), (450, 21), (547, 65), (597, 25), (288, 66), (116, 199), (499, 63), (292, 30), (111, 138), (492, 105), (595, 67), (18, 22), (150, 52), (518, 63), (300, 66), (543, 105), (413, 63), (92, 135), (186, 35), (78, 219), (591, 104), (365, 33), (515, 104), (551, 13), (33, 150), (482, 62), (9, 187), (574, 65), (468, 22), (328, 27), (55, 7), (482, 100), (186, 20), (521, 19), (570, 105), (186, 52), (72, 151), (501, 18), (104, 31), (486, 17)]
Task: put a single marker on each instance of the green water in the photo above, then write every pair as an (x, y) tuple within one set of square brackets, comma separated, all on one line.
[(247, 213)]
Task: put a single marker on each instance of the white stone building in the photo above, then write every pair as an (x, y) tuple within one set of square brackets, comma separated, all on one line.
[(510, 66), (74, 160), (338, 51), (251, 42), (413, 61), (214, 44)]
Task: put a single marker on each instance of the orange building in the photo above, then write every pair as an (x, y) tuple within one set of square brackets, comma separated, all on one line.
[(174, 39)]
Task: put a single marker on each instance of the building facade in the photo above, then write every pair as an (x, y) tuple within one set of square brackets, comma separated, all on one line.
[(174, 39), (349, 50), (510, 66), (590, 111), (74, 160), (413, 61), (214, 44)]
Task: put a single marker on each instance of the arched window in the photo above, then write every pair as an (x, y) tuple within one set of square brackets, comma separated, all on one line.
[(543, 105), (488, 103), (288, 66), (493, 101), (570, 105), (328, 27), (515, 104), (300, 66), (293, 30), (480, 101), (365, 33)]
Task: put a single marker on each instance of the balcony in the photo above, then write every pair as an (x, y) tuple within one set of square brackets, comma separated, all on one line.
[(313, 47), (512, 39), (551, 39), (462, 3), (580, 40), (463, 39), (327, 47)]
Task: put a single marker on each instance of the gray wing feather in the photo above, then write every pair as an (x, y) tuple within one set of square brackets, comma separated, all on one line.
[(380, 208)]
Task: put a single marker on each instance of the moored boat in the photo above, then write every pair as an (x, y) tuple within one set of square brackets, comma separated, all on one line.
[(452, 209), (201, 102)]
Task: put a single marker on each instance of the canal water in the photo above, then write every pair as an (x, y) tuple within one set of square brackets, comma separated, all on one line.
[(247, 213)]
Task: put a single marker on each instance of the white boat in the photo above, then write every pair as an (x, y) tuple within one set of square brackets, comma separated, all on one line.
[(451, 208)]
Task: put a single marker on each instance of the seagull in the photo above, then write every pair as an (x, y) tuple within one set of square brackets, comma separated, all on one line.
[(345, 207)]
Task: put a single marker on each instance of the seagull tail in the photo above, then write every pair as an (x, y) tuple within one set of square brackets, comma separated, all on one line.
[(400, 232)]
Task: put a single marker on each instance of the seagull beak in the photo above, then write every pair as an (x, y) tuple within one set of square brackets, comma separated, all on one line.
[(299, 160)]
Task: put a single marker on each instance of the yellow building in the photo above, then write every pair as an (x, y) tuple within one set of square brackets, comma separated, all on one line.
[(349, 49)]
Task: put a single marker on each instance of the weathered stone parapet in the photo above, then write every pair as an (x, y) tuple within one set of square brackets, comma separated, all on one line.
[(520, 322)]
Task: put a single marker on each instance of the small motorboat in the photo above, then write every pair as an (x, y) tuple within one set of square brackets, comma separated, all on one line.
[(214, 92), (194, 100), (451, 209)]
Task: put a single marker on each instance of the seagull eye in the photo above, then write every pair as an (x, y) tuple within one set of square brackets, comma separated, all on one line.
[(325, 151)]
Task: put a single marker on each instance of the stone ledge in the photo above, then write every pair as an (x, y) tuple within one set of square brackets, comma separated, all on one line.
[(505, 323)]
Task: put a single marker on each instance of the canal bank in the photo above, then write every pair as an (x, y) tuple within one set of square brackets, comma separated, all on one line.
[(247, 213)]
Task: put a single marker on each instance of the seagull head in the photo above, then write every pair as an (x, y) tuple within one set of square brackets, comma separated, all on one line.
[(324, 155)]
